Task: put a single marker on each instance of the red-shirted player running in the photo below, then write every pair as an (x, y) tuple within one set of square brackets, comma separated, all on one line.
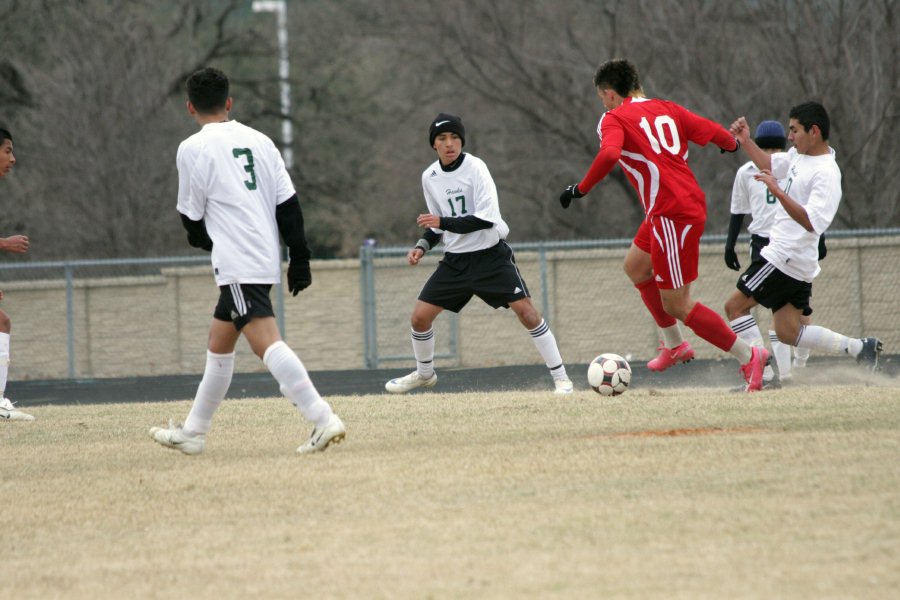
[(649, 139)]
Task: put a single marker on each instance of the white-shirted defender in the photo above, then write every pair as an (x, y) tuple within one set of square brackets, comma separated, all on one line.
[(464, 212), (750, 196), (235, 197), (781, 278)]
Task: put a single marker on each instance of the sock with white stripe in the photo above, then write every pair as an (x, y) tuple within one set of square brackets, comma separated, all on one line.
[(423, 349), (295, 383), (210, 392), (545, 342), (819, 338), (782, 354), (748, 332)]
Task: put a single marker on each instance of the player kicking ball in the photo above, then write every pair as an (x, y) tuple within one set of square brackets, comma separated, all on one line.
[(464, 211), (235, 197)]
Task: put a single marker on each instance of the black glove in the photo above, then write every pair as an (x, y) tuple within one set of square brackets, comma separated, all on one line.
[(299, 276), (565, 199), (731, 260), (823, 250)]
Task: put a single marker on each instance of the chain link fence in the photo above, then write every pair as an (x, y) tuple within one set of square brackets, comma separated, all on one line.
[(592, 307), (125, 318)]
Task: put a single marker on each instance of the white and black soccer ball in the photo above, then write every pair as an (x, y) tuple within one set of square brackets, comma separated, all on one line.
[(609, 374)]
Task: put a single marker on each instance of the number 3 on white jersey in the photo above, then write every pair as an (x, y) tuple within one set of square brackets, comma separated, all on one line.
[(661, 124)]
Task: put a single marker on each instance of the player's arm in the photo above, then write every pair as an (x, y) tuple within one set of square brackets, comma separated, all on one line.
[(289, 217), (734, 228), (702, 131), (793, 208), (196, 233), (613, 136), (740, 129)]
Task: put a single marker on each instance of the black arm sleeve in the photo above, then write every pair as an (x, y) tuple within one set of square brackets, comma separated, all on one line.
[(734, 228), (432, 237), (197, 235), (289, 217), (466, 224)]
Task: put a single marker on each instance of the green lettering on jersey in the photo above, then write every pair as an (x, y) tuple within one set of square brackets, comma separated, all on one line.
[(462, 205), (245, 152)]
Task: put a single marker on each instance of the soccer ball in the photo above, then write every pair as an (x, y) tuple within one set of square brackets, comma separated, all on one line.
[(609, 374)]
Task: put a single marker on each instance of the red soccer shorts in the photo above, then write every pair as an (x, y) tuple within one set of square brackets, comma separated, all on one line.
[(674, 250)]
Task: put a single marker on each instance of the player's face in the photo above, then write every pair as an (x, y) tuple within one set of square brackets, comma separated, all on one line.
[(448, 146), (7, 158), (800, 137)]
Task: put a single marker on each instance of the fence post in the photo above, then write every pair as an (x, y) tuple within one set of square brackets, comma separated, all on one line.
[(367, 293), (70, 320)]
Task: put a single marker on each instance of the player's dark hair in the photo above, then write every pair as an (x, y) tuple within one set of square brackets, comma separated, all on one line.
[(207, 89), (812, 113), (618, 74), (5, 135)]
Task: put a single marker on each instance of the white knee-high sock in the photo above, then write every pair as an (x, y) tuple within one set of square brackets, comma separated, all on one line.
[(801, 355), (4, 362), (746, 329), (819, 338), (210, 392), (423, 348), (782, 353), (545, 342), (295, 383)]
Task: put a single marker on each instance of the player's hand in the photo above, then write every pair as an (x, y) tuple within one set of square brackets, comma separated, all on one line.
[(571, 192), (299, 276), (15, 243), (415, 255), (731, 260), (823, 249), (740, 129), (429, 220)]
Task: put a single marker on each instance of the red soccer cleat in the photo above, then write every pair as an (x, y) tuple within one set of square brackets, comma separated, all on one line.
[(753, 370), (668, 357)]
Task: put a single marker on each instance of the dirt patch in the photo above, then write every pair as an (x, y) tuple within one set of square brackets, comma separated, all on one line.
[(686, 431)]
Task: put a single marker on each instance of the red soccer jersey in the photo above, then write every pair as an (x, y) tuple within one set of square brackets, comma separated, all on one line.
[(649, 139)]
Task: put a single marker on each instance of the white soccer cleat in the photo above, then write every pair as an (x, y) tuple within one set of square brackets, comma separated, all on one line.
[(174, 437), (563, 386), (8, 412), (401, 385), (333, 432)]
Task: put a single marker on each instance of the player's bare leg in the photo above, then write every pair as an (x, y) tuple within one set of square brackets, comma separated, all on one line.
[(545, 342)]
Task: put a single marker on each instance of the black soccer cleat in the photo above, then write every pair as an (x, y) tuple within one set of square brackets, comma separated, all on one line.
[(868, 356)]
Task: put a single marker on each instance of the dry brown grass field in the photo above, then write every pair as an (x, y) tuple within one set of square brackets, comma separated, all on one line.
[(685, 493)]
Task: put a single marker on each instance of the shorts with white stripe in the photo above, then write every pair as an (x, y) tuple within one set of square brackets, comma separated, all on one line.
[(674, 251), (241, 302), (773, 289)]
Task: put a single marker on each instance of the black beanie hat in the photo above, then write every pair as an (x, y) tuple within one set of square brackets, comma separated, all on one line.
[(443, 123)]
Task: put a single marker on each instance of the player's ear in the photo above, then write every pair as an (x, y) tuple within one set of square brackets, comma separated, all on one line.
[(190, 108), (228, 104)]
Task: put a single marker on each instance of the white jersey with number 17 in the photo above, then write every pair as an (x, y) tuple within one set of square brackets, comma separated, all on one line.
[(233, 177)]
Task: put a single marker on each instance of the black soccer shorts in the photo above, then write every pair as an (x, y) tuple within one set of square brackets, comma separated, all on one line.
[(491, 274), (241, 302), (773, 289)]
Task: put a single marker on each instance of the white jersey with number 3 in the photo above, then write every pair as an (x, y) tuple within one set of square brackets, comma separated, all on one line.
[(233, 177)]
